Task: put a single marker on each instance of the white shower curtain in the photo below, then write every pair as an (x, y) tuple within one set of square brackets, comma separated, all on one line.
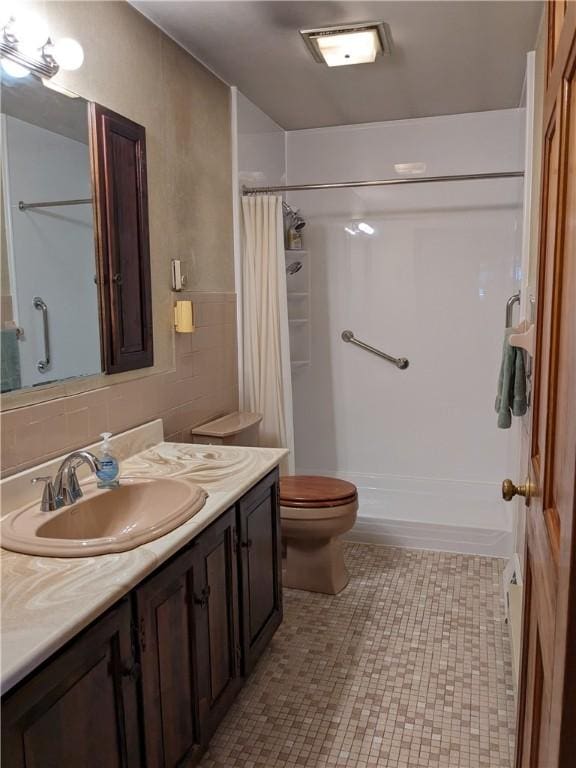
[(266, 345)]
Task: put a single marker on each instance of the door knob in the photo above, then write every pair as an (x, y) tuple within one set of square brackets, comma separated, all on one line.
[(509, 490)]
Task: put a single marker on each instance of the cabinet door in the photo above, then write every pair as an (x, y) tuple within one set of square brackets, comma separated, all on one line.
[(216, 615), (261, 568), (81, 708), (118, 148), (165, 620)]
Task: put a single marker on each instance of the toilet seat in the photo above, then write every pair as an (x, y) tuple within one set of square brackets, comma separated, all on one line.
[(316, 492)]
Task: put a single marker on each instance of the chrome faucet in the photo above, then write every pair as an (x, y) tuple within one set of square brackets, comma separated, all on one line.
[(65, 489), (66, 486)]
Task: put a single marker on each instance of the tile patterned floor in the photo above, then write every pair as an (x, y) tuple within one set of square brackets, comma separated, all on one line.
[(410, 666)]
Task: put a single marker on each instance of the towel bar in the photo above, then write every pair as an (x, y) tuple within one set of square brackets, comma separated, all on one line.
[(514, 299)]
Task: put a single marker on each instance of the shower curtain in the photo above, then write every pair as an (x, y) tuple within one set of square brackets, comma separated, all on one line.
[(266, 345)]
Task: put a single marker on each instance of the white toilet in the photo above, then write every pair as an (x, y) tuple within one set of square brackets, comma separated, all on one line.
[(314, 512)]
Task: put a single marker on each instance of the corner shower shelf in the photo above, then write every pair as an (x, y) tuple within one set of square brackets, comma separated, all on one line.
[(299, 309)]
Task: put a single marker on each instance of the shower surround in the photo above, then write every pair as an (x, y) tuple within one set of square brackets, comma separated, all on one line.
[(422, 272), (426, 277)]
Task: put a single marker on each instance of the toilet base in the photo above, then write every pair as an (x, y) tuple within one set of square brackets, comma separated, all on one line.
[(315, 565)]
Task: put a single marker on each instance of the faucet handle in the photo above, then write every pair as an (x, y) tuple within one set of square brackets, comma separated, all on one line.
[(50, 500), (67, 488), (73, 485)]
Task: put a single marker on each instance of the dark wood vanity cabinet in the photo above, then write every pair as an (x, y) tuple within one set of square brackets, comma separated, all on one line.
[(80, 708), (147, 684), (164, 620), (261, 568), (186, 616), (217, 621)]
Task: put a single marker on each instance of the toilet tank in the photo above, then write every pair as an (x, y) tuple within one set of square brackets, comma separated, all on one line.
[(238, 428)]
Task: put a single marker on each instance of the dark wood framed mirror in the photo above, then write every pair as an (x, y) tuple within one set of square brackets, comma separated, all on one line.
[(74, 240)]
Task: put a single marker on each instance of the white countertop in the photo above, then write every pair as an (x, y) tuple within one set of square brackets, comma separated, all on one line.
[(47, 601)]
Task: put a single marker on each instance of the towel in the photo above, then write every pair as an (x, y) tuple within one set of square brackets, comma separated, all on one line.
[(9, 360), (511, 397)]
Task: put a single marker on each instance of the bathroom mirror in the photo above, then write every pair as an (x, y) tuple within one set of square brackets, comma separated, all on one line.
[(76, 283), (50, 326)]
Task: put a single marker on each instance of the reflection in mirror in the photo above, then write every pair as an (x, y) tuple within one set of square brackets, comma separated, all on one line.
[(49, 321)]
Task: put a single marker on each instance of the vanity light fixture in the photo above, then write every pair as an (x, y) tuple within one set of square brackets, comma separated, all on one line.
[(26, 48), (347, 44)]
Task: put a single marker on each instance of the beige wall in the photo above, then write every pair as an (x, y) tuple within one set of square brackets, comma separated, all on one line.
[(131, 67), (202, 386)]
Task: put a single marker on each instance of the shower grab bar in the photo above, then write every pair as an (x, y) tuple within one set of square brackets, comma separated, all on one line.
[(399, 362), (514, 299), (40, 304)]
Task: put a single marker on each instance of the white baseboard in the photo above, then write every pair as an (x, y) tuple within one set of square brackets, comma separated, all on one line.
[(441, 538), (513, 596)]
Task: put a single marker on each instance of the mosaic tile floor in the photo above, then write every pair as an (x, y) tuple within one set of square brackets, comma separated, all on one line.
[(410, 666)]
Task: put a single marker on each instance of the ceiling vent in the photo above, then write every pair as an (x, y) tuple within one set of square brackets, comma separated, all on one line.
[(348, 44)]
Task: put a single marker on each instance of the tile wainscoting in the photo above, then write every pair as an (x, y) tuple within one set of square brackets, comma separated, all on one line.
[(202, 386)]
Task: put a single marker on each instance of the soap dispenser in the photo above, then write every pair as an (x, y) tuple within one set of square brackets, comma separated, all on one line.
[(109, 469)]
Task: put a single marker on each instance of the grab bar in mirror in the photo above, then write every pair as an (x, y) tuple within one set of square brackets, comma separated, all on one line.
[(40, 304), (399, 362), (22, 206), (514, 299)]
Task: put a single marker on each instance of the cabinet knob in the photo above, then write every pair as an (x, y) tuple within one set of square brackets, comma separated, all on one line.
[(203, 599), (133, 671), (247, 544)]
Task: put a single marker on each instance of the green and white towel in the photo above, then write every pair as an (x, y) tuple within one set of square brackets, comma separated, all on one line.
[(9, 360), (511, 397)]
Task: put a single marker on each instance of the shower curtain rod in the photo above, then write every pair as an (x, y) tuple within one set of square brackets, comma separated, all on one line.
[(384, 182)]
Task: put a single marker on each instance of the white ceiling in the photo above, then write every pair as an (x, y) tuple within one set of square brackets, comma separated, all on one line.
[(447, 57)]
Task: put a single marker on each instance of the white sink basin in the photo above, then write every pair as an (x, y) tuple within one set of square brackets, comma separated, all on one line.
[(104, 521)]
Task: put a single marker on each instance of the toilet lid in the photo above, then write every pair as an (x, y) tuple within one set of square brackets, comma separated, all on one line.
[(315, 491)]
